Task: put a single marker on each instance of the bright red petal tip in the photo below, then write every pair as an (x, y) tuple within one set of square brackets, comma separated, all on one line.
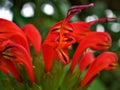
[(33, 36), (102, 62)]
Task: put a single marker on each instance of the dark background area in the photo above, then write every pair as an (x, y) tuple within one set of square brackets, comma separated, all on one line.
[(43, 20)]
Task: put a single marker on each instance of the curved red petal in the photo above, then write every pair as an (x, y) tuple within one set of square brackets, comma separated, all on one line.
[(33, 36), (96, 41), (102, 62), (9, 30), (4, 69), (18, 54), (9, 67), (86, 60), (48, 53), (80, 30)]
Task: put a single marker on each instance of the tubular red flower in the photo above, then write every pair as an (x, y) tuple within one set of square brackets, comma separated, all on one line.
[(86, 60), (61, 29), (9, 30), (33, 36), (68, 39), (96, 41), (77, 30), (82, 29), (63, 34), (17, 54), (48, 55), (107, 60), (8, 67), (71, 12), (50, 51), (49, 47)]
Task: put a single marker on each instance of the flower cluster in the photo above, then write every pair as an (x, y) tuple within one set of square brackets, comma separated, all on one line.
[(52, 68)]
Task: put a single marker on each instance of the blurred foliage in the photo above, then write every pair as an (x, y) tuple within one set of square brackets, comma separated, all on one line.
[(107, 80)]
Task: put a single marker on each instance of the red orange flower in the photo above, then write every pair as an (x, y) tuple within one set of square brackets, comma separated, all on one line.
[(105, 61), (61, 42), (14, 53), (95, 41), (14, 47), (9, 30), (63, 34)]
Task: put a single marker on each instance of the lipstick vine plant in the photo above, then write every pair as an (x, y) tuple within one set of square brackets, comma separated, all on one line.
[(50, 67)]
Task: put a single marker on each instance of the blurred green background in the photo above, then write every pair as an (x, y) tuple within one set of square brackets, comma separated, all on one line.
[(44, 13)]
